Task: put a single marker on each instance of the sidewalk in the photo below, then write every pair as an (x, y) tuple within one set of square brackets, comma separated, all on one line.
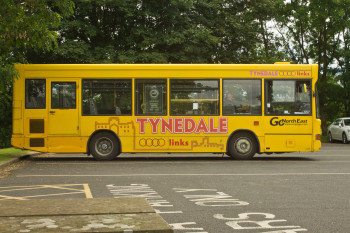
[(124, 215)]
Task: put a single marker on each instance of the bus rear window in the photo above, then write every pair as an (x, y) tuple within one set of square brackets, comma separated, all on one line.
[(35, 92)]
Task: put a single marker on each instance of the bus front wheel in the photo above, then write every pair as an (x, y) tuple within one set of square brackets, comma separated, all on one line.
[(104, 146), (242, 146)]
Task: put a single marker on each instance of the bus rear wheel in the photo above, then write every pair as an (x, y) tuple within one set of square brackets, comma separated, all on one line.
[(104, 146), (242, 146)]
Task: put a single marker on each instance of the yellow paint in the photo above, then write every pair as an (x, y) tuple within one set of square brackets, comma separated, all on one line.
[(49, 190)]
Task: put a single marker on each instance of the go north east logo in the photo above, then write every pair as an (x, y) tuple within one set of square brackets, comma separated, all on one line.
[(275, 121)]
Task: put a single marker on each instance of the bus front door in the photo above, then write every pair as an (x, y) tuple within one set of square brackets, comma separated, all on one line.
[(63, 113)]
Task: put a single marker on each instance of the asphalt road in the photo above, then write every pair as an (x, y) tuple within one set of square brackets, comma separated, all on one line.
[(197, 193)]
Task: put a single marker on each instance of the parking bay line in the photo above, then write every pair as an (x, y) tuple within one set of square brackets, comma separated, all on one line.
[(258, 159), (173, 163), (237, 174), (71, 189), (126, 163)]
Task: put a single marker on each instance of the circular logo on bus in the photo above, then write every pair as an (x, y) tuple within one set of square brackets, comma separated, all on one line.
[(152, 142)]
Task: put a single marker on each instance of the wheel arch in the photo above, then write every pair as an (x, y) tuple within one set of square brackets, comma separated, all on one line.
[(101, 131), (241, 131)]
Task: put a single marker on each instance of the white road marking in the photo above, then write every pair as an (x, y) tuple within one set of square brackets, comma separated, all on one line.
[(192, 162), (126, 163), (238, 174)]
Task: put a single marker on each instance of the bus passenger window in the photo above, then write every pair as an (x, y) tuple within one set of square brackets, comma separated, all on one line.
[(63, 95), (241, 97), (194, 97), (35, 93), (106, 97), (288, 97), (151, 97)]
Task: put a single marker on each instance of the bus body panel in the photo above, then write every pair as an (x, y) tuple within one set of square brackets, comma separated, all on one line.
[(288, 133)]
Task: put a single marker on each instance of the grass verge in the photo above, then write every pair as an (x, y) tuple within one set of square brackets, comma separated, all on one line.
[(9, 153)]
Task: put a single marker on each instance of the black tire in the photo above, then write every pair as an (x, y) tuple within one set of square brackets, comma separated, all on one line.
[(242, 146), (330, 139), (345, 139), (104, 146)]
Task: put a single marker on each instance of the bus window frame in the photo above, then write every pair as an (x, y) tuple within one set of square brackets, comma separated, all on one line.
[(194, 79), (240, 114), (317, 103), (135, 96), (107, 79), (291, 79)]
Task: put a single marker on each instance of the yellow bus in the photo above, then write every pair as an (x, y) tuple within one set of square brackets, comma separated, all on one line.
[(108, 109)]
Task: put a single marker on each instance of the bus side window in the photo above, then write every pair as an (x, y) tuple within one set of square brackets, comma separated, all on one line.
[(151, 97), (194, 97), (241, 97), (35, 93), (63, 95), (105, 97)]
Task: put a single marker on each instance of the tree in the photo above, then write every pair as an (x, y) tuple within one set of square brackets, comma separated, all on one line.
[(311, 31), (24, 24), (163, 31), (264, 13)]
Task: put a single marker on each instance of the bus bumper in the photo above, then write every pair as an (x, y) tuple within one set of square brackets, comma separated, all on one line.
[(317, 145), (17, 141)]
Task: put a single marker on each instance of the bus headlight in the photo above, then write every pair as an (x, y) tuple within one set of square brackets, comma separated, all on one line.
[(318, 136)]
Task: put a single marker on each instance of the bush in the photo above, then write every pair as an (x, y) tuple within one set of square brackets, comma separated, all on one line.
[(5, 119)]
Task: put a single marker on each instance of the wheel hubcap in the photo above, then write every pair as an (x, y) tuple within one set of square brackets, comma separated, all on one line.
[(243, 145), (104, 146)]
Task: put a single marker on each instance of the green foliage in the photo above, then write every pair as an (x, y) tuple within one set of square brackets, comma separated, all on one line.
[(163, 31), (5, 118), (342, 72), (29, 24)]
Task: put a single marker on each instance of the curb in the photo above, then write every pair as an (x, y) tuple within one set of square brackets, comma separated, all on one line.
[(17, 159)]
